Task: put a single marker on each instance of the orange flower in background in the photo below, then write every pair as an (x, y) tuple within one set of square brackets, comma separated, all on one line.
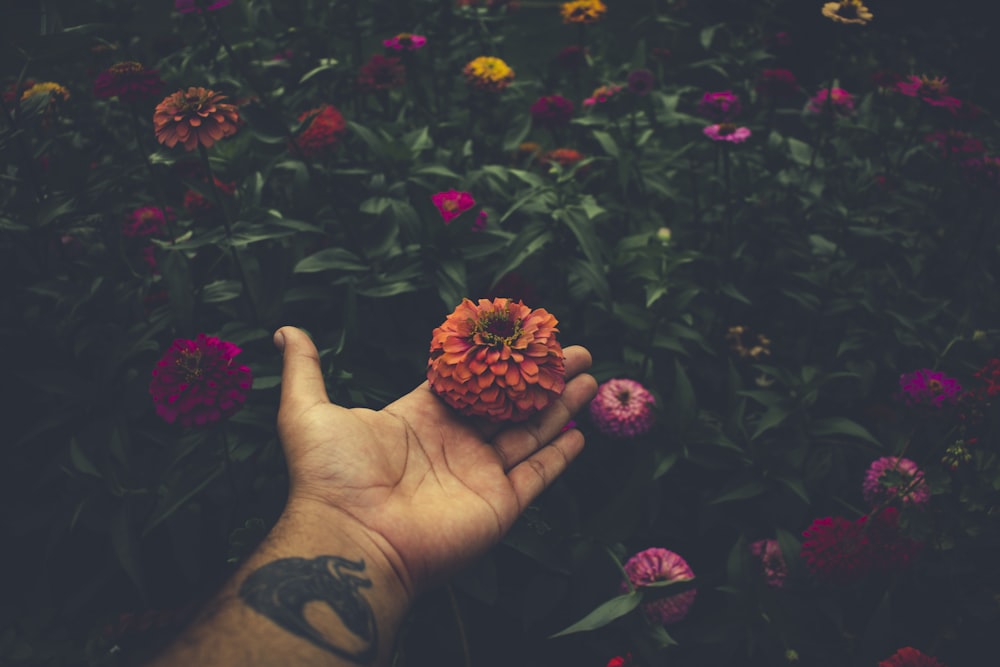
[(497, 359), (583, 11), (195, 117)]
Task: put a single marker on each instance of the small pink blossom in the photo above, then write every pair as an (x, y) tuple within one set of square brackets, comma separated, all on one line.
[(930, 90), (603, 94), (720, 106), (727, 132), (452, 203), (481, 219), (623, 408), (893, 478), (838, 100), (147, 221), (656, 564), (405, 41), (772, 562), (929, 388)]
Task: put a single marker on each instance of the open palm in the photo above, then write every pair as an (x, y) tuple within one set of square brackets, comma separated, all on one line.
[(436, 488)]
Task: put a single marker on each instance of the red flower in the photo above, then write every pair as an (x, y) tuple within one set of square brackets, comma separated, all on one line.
[(147, 221), (910, 657), (620, 661), (197, 383), (196, 204), (381, 73), (497, 359), (930, 90), (129, 81), (323, 131), (572, 57), (956, 144)]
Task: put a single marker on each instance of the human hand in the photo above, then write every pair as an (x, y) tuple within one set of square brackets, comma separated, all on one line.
[(431, 488)]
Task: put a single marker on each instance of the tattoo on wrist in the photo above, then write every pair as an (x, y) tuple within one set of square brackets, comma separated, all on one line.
[(282, 589)]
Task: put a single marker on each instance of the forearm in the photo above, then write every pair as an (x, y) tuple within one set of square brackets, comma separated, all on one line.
[(319, 591)]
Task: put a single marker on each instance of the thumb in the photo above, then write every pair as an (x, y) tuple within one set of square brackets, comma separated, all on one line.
[(302, 384)]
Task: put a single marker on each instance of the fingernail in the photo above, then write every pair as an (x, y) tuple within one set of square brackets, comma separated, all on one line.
[(279, 340)]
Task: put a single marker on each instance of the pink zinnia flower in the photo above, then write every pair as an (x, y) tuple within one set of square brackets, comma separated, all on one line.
[(197, 383), (772, 561), (721, 106), (928, 388), (551, 111), (129, 81), (910, 657), (727, 132), (452, 203), (655, 564), (955, 143), (623, 408), (838, 100), (189, 6), (930, 90), (890, 476), (147, 221), (405, 41)]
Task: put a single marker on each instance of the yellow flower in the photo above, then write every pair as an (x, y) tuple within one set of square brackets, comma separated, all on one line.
[(488, 73), (583, 11), (847, 11), (46, 87)]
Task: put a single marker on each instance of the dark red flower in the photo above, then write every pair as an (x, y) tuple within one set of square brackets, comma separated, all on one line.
[(551, 111), (129, 81), (956, 144), (196, 204), (323, 131), (640, 82), (196, 382), (777, 83), (381, 73), (572, 57)]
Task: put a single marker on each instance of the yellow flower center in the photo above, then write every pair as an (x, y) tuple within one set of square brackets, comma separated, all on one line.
[(726, 128), (449, 205), (934, 385), (497, 327), (189, 363), (127, 67)]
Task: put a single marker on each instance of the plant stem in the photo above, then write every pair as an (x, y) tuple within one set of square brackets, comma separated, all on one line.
[(219, 204)]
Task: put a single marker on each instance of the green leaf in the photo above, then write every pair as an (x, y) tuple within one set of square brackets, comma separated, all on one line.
[(331, 258), (388, 289), (126, 547), (707, 35), (221, 290), (605, 613), (583, 230), (530, 241), (80, 460), (171, 504), (681, 407), (516, 134), (326, 64), (751, 489), (832, 426), (774, 416), (607, 142), (801, 152)]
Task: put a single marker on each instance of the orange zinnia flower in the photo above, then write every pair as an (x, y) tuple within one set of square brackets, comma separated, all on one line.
[(497, 359), (197, 116)]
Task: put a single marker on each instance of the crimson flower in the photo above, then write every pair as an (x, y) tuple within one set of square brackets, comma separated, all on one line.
[(197, 383), (322, 133), (129, 81), (381, 73), (910, 657), (147, 221), (551, 111), (723, 105)]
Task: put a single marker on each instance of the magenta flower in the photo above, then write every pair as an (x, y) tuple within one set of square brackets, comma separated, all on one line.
[(197, 383), (190, 6), (452, 203), (837, 100), (930, 90), (623, 408), (772, 562), (481, 220), (720, 106), (129, 81), (405, 41), (655, 564), (147, 221), (727, 132), (551, 111), (928, 388), (892, 478), (956, 144)]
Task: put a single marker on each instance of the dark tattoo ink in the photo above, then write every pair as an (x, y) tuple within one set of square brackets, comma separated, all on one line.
[(281, 590)]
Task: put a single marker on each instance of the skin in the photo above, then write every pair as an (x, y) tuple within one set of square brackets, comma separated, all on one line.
[(382, 505)]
